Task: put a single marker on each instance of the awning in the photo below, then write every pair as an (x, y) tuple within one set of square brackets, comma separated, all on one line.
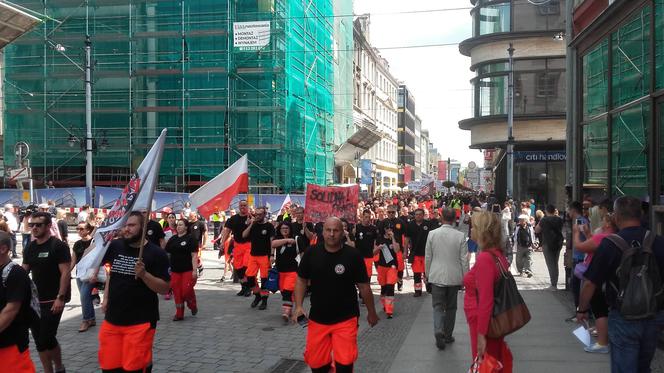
[(14, 23), (357, 145)]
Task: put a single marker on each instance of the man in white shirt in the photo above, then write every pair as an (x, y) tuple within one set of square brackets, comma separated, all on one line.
[(12, 222), (445, 263)]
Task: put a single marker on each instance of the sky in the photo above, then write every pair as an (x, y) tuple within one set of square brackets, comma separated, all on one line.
[(438, 77)]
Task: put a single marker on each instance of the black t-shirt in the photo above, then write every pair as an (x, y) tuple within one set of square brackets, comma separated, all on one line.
[(130, 301), (237, 224), (260, 235), (418, 235), (64, 230), (17, 289), (390, 245), (398, 226), (196, 230), (552, 231), (154, 232), (285, 259), (43, 261), (606, 260), (79, 248), (180, 249), (365, 238), (333, 279), (297, 230)]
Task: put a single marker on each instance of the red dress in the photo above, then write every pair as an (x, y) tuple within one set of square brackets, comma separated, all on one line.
[(480, 281)]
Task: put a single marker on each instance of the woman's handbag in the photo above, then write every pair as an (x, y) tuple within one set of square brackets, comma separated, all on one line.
[(510, 312), (489, 364)]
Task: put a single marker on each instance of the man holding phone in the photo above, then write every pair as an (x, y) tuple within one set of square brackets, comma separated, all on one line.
[(333, 270)]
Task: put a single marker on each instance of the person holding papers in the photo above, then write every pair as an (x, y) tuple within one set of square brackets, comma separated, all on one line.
[(387, 247)]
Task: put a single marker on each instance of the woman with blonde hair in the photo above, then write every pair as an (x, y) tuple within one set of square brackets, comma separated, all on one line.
[(479, 283)]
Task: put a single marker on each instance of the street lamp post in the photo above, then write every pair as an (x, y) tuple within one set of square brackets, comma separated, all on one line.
[(510, 125), (88, 113)]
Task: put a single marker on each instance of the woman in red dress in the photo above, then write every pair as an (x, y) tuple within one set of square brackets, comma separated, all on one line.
[(479, 283)]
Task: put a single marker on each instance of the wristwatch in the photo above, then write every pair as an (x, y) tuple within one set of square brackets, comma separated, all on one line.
[(581, 311), (61, 297)]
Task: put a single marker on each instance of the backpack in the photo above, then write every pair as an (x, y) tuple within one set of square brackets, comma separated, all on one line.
[(35, 310), (640, 292), (523, 237)]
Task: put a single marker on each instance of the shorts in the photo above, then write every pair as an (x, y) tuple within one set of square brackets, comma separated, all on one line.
[(125, 347), (241, 254), (368, 262), (45, 329), (287, 281), (400, 263), (19, 362), (418, 264), (387, 275), (323, 341), (256, 264)]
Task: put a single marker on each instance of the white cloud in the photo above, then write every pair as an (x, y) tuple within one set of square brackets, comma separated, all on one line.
[(439, 77)]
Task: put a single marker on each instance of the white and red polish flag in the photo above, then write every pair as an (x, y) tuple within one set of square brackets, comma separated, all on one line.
[(216, 195), (286, 204)]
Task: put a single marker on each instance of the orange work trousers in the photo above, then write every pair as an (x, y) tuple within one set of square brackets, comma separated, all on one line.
[(183, 291), (16, 361), (125, 347), (241, 254), (324, 341), (368, 262)]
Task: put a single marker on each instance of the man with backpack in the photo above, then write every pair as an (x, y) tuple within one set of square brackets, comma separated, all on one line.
[(15, 311), (631, 264)]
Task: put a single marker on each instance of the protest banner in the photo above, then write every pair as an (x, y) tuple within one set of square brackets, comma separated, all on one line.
[(323, 202)]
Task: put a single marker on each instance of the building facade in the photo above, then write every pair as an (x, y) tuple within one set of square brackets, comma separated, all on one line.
[(226, 78), (406, 135), (536, 33), (617, 117), (424, 153), (376, 105)]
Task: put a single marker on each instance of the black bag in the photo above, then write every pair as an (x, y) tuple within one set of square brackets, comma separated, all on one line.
[(640, 292), (510, 312)]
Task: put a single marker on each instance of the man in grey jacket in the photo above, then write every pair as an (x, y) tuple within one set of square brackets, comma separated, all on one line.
[(445, 262)]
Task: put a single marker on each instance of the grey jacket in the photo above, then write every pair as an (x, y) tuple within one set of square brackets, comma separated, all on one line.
[(446, 256)]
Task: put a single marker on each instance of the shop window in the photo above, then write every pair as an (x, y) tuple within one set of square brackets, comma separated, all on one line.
[(631, 59), (595, 76), (595, 152), (659, 43), (493, 95), (629, 156)]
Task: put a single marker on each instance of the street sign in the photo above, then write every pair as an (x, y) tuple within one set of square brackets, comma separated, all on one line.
[(22, 150), (472, 165), (18, 174)]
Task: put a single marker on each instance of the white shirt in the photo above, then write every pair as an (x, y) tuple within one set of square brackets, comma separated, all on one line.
[(11, 221)]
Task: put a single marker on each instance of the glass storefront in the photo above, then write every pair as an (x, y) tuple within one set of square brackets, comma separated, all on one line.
[(540, 181), (539, 87)]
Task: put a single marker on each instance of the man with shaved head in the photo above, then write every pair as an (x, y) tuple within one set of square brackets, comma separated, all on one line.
[(334, 270)]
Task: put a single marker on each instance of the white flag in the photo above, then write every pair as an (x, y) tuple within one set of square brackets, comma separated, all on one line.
[(135, 197)]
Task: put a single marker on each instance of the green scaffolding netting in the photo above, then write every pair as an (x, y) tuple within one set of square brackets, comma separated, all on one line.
[(173, 64)]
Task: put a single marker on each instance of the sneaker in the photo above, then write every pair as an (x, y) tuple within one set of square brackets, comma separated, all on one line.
[(596, 348), (552, 288)]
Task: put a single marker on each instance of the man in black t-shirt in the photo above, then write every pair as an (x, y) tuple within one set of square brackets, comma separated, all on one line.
[(551, 229), (334, 270), (50, 262), (15, 296), (236, 224), (197, 230), (416, 239), (260, 232), (632, 342), (303, 231), (130, 300), (154, 232), (365, 235)]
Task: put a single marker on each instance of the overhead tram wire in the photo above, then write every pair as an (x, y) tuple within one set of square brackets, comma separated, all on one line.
[(424, 11)]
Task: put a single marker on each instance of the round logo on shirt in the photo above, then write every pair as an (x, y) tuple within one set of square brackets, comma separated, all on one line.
[(361, 235), (263, 232), (150, 232), (425, 228), (183, 243), (339, 269), (195, 226)]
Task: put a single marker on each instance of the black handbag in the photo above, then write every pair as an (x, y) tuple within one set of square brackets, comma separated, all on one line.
[(510, 312)]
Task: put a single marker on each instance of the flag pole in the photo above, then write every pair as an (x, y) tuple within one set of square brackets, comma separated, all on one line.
[(144, 230)]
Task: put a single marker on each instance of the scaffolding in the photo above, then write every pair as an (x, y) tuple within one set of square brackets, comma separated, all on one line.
[(172, 64)]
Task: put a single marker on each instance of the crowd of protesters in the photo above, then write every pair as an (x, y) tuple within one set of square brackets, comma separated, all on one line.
[(331, 261)]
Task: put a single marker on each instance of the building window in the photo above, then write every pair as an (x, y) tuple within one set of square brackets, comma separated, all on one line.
[(631, 59), (546, 84), (659, 43), (595, 80), (492, 18), (629, 151), (595, 150)]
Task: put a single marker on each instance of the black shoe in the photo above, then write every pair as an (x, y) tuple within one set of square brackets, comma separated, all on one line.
[(529, 274), (418, 293), (428, 287), (389, 315), (449, 340), (247, 292), (241, 292), (194, 311), (256, 300), (399, 285), (440, 345), (263, 305)]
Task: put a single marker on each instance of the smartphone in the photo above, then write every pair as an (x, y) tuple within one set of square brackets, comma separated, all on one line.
[(303, 321), (579, 221)]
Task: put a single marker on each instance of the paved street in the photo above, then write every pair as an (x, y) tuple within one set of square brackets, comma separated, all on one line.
[(228, 336)]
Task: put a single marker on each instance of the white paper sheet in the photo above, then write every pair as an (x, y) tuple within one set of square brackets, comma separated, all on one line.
[(386, 253), (583, 335)]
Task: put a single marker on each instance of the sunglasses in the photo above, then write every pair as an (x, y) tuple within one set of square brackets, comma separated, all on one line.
[(35, 225), (80, 229)]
